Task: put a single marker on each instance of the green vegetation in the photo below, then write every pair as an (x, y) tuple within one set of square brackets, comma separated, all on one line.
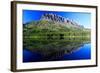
[(46, 35)]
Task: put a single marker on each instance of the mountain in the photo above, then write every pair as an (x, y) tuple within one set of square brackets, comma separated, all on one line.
[(53, 22), (48, 36), (53, 26)]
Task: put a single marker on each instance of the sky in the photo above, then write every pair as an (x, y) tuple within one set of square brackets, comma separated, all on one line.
[(79, 17)]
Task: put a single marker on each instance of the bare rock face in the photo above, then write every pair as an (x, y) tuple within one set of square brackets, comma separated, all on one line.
[(53, 17), (59, 19)]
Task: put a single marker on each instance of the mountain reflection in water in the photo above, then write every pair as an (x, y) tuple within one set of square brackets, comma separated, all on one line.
[(56, 51)]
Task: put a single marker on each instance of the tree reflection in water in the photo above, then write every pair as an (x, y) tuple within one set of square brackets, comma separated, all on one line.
[(52, 47)]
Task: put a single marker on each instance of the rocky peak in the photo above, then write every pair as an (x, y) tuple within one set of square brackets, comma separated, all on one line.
[(60, 19)]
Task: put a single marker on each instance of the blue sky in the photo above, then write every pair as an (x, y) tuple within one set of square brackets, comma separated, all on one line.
[(80, 17)]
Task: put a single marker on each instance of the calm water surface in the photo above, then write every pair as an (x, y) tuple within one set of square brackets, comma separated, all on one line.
[(83, 52)]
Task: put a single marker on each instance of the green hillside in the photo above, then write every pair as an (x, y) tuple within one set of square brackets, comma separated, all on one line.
[(47, 34)]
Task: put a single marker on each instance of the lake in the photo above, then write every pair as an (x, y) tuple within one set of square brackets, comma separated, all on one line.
[(81, 52)]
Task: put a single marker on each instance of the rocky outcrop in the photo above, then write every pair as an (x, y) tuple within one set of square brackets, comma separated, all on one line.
[(59, 19)]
